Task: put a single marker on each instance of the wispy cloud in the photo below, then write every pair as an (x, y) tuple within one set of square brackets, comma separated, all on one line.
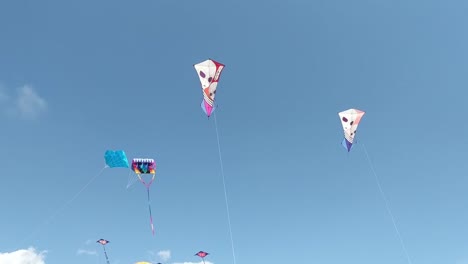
[(27, 103), (23, 256), (165, 255), (86, 252)]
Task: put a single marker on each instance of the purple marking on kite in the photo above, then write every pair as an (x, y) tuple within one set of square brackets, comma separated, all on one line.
[(202, 74), (344, 119), (203, 106), (208, 109), (346, 144), (210, 79)]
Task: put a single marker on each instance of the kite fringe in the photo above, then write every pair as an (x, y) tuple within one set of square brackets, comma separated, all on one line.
[(386, 204), (225, 192), (149, 208), (105, 253)]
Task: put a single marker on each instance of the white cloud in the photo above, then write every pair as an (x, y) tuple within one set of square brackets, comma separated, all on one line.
[(29, 103), (23, 256), (86, 252), (165, 255), (89, 242), (26, 104)]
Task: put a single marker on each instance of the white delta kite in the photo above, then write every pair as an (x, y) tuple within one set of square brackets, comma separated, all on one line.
[(350, 120), (209, 72)]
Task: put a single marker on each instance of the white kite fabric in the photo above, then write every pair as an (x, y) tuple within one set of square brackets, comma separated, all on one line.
[(350, 120)]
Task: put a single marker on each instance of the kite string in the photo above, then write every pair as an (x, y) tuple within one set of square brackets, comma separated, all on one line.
[(131, 179), (65, 205), (78, 193), (225, 192), (386, 204)]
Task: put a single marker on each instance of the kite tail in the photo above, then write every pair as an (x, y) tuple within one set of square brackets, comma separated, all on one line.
[(386, 204), (105, 253), (225, 192), (149, 208), (64, 206)]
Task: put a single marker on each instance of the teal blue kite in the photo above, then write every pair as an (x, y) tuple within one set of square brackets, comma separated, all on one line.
[(116, 159)]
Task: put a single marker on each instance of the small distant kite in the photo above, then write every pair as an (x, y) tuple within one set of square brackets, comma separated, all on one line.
[(209, 72), (104, 242), (202, 255), (145, 167), (350, 120)]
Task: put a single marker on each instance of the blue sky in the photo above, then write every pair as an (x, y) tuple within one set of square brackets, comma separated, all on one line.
[(78, 78)]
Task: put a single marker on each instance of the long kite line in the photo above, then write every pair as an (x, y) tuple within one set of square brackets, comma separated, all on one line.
[(225, 192), (386, 204), (64, 206), (209, 72)]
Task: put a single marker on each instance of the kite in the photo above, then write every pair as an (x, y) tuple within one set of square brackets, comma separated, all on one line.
[(104, 242), (202, 255), (350, 120), (209, 72), (146, 167), (116, 159)]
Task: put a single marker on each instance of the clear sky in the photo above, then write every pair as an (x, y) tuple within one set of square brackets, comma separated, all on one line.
[(80, 77)]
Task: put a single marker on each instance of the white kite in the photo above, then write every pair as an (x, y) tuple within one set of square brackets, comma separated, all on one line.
[(350, 120), (209, 72)]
